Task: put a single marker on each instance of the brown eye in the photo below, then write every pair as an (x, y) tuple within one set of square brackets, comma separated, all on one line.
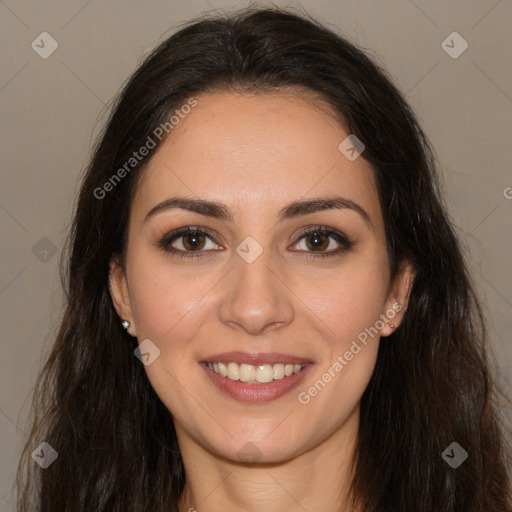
[(193, 241), (188, 242), (317, 241)]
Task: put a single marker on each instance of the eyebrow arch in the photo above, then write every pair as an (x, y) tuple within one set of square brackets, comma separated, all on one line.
[(294, 209)]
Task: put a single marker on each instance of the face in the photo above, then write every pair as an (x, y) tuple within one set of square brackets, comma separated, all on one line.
[(262, 283)]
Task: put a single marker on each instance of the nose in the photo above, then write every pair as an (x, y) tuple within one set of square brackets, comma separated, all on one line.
[(257, 298)]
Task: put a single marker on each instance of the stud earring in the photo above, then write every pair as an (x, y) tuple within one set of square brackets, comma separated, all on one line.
[(125, 324), (392, 326)]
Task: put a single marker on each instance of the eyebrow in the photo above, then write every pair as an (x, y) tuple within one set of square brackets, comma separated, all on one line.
[(294, 209)]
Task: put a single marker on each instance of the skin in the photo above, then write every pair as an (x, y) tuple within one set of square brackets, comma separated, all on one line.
[(256, 154)]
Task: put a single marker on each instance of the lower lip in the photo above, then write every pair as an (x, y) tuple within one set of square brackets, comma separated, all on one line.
[(256, 393)]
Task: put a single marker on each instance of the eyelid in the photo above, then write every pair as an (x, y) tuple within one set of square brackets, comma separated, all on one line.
[(327, 230), (168, 237), (345, 243)]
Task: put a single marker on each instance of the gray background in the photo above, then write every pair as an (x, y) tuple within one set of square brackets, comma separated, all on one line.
[(51, 110)]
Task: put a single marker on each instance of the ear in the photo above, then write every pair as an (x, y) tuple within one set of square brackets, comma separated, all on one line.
[(398, 298), (120, 294)]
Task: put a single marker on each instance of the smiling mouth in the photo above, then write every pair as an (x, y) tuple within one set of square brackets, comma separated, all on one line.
[(255, 374)]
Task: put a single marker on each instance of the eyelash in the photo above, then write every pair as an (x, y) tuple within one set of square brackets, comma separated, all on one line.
[(167, 239)]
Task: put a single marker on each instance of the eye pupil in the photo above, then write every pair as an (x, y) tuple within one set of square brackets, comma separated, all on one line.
[(196, 243), (318, 241)]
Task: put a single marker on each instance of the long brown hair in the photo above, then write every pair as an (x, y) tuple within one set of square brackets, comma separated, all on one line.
[(116, 442)]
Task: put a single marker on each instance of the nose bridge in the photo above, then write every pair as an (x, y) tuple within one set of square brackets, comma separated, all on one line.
[(254, 272), (256, 297)]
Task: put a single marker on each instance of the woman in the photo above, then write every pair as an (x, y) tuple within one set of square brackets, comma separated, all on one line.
[(267, 307)]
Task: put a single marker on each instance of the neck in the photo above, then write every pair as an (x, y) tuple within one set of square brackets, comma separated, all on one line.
[(317, 479)]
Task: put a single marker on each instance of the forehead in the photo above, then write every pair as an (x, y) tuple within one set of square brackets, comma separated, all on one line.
[(255, 152)]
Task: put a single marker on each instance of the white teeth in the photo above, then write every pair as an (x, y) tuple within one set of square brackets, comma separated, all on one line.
[(278, 371), (233, 371), (222, 369), (265, 373), (247, 373), (262, 373)]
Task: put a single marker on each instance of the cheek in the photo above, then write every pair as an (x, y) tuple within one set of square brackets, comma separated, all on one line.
[(349, 305), (348, 300), (158, 303), (170, 308)]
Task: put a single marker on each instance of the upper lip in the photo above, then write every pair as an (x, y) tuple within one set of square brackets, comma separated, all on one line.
[(254, 358)]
